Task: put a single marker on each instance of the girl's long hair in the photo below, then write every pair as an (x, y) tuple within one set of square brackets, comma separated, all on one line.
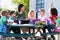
[(30, 12)]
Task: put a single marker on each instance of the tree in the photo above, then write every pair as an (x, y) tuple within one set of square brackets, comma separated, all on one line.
[(25, 2), (0, 9)]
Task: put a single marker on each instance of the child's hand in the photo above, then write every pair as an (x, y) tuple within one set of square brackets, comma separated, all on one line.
[(27, 19), (11, 22), (52, 4)]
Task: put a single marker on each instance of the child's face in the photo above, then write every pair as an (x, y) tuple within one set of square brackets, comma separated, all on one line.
[(7, 15), (32, 14), (13, 14), (42, 13)]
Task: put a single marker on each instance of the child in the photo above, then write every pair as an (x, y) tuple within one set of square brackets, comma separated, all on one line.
[(30, 18), (33, 20), (31, 15), (42, 16), (53, 17), (43, 19), (12, 19), (12, 16), (4, 17), (3, 21)]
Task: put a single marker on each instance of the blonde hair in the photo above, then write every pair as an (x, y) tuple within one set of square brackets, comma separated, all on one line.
[(30, 12), (42, 10)]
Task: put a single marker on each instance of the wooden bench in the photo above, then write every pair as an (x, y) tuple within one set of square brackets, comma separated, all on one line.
[(16, 35), (30, 26), (52, 33)]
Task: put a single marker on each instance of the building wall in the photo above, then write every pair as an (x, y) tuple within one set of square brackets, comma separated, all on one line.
[(32, 4), (46, 6), (36, 5), (56, 5)]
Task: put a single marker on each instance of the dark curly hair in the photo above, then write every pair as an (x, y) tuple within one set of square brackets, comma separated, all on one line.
[(54, 11), (19, 7), (12, 12)]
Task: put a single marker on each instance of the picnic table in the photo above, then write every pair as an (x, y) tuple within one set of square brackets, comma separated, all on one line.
[(29, 26), (48, 33)]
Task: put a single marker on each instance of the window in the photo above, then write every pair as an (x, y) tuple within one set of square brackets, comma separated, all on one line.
[(39, 4)]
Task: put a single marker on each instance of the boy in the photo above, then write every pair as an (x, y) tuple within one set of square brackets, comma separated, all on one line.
[(4, 17), (42, 16), (3, 21), (43, 19), (12, 15)]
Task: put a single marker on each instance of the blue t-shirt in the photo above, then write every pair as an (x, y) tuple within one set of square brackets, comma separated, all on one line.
[(11, 18), (3, 19), (2, 26)]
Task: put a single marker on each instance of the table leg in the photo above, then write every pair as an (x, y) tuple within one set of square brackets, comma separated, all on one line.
[(31, 38), (34, 30), (1, 38), (6, 38), (10, 38), (46, 37), (58, 36), (29, 30)]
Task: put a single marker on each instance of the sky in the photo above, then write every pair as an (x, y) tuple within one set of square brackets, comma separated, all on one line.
[(56, 4), (7, 4)]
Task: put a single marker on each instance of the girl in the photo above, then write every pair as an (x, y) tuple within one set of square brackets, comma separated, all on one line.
[(33, 20), (53, 17), (31, 15)]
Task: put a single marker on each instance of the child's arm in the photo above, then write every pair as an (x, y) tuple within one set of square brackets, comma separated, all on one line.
[(4, 19), (51, 6)]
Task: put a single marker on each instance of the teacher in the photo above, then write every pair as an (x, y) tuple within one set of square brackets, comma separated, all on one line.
[(21, 14)]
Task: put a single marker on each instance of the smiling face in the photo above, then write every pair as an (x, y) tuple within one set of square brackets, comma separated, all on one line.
[(42, 12), (22, 8), (32, 13), (7, 14), (14, 14)]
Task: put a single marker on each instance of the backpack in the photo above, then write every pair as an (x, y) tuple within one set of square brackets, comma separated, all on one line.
[(57, 29)]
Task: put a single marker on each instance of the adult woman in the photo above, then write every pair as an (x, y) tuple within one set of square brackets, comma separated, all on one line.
[(21, 13)]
